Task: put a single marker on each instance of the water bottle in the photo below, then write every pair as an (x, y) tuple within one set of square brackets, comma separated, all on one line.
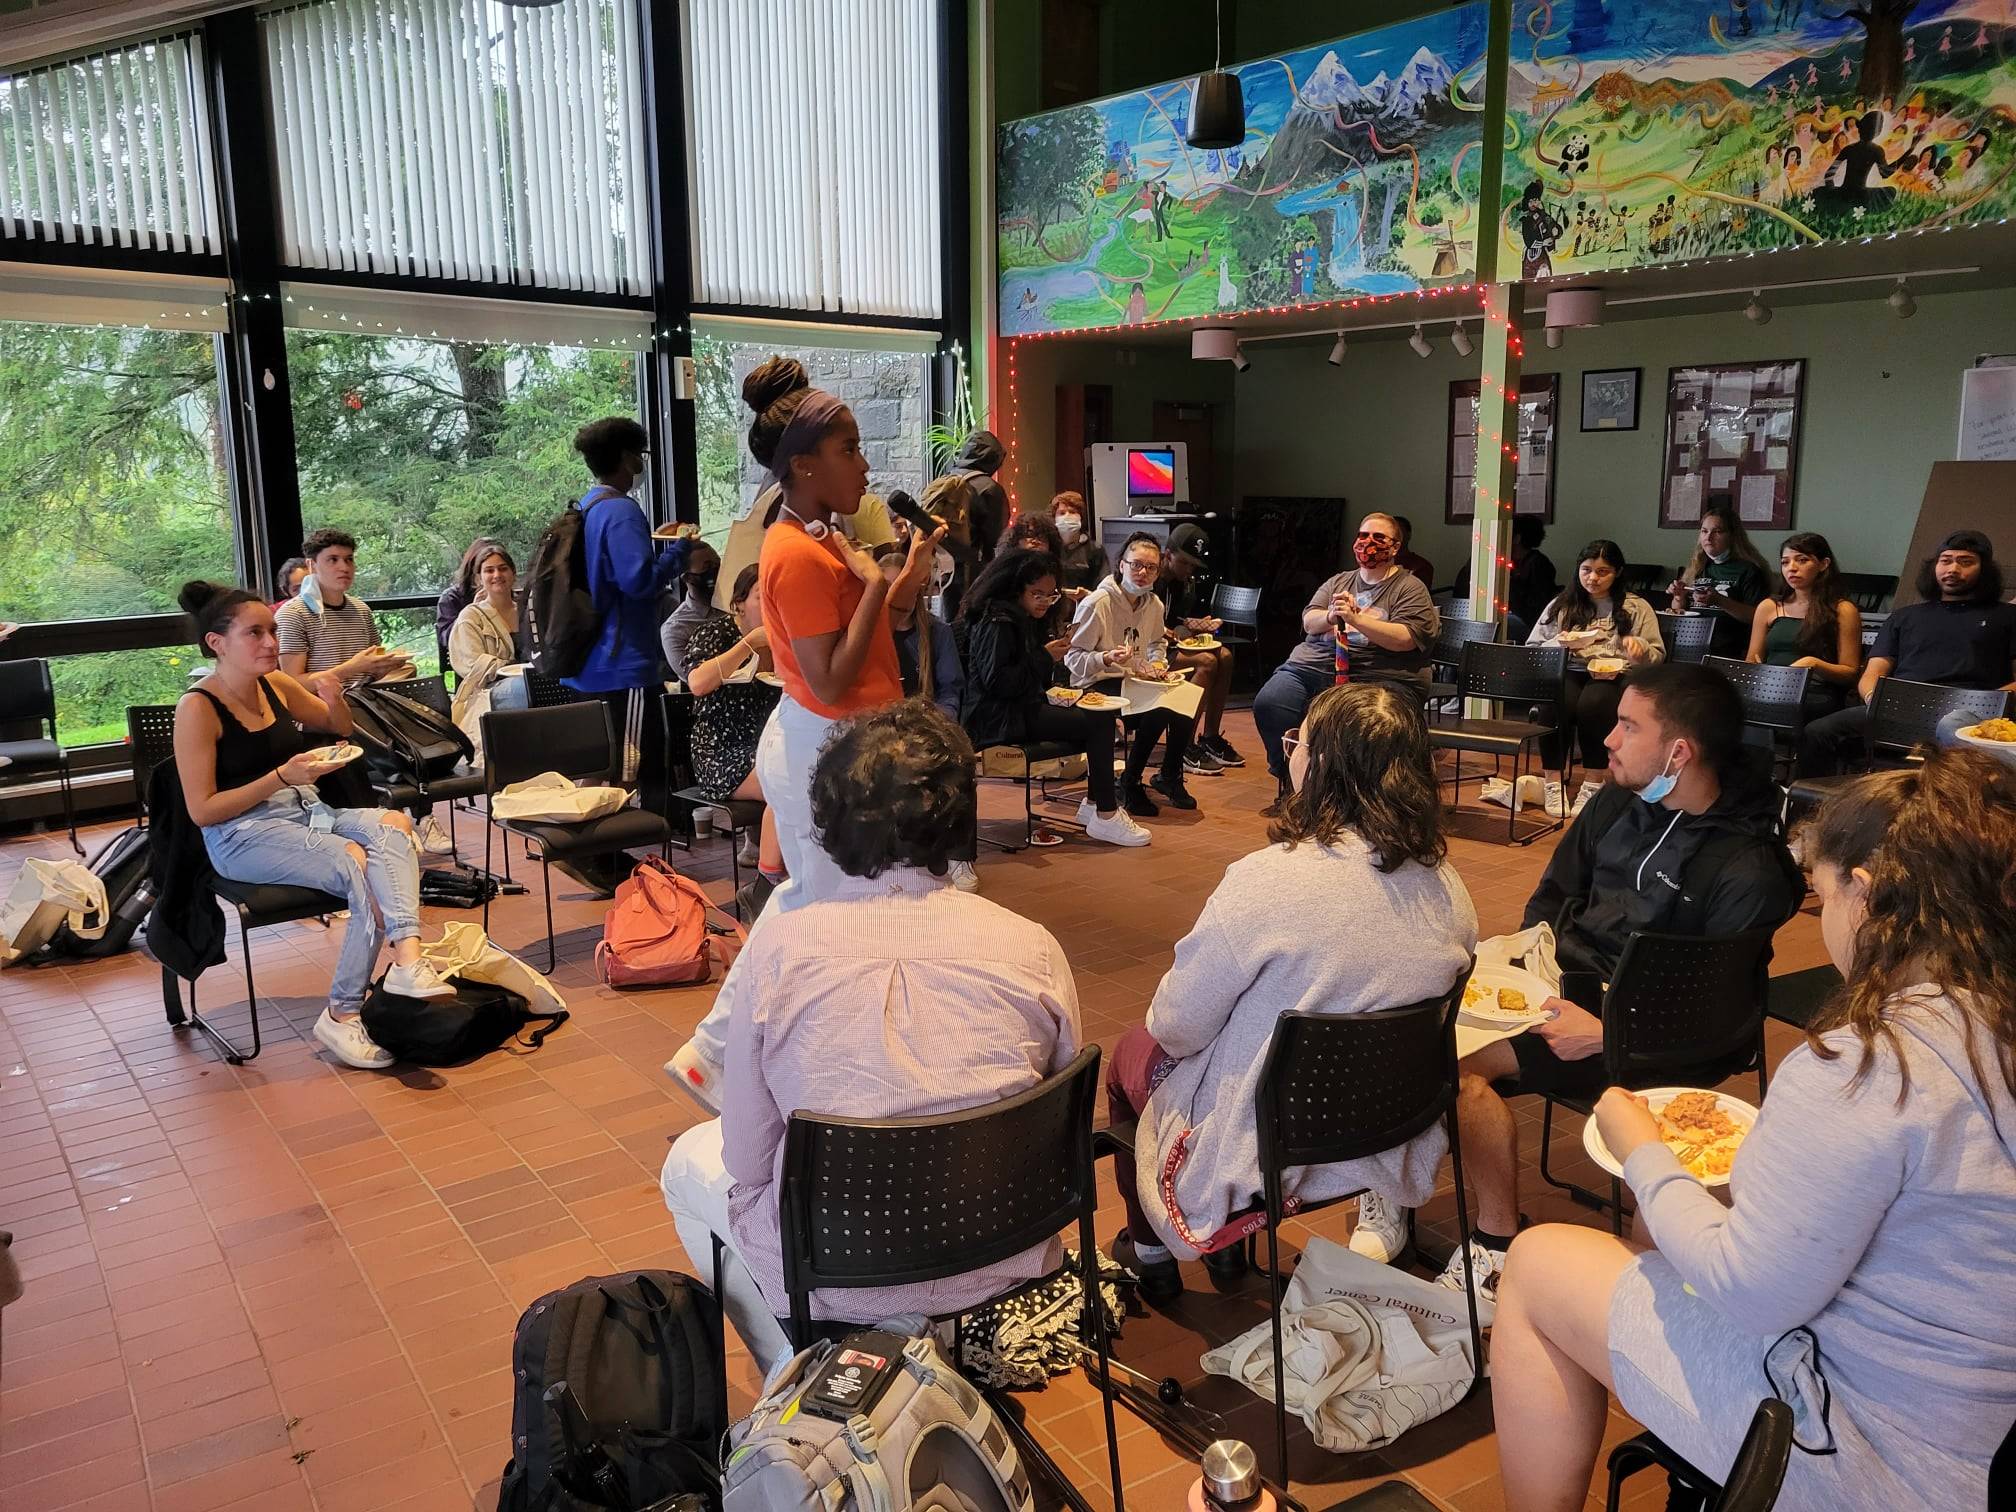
[(1230, 1481)]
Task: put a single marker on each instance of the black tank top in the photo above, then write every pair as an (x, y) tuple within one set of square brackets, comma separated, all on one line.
[(247, 755)]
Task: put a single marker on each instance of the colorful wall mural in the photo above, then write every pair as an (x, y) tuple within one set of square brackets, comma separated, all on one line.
[(1359, 175), (1648, 131)]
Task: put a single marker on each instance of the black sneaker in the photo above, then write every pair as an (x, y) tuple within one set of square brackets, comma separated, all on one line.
[(1227, 1266), (1220, 747), (1161, 1280), (1137, 802), (1199, 759), (750, 900), (1173, 791)]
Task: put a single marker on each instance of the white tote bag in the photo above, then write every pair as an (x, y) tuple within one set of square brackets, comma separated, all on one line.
[(551, 798), (45, 896), (1369, 1350), (465, 951)]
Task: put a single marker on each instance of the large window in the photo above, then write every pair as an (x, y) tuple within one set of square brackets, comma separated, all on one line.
[(888, 392), (418, 447)]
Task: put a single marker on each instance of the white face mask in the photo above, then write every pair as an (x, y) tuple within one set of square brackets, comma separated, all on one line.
[(1068, 527)]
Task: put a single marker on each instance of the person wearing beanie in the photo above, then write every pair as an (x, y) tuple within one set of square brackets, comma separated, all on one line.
[(1959, 634)]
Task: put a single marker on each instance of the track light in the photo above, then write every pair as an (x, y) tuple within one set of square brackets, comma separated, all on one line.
[(1419, 343), (1336, 357), (1460, 339), (1240, 361), (1757, 312), (1553, 336), (1902, 302)]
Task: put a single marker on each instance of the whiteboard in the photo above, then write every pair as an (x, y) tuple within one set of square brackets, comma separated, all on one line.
[(1988, 415)]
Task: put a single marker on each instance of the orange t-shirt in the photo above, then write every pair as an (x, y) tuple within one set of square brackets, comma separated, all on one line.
[(808, 591)]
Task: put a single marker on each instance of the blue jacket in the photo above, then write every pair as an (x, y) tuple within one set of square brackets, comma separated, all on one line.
[(626, 572)]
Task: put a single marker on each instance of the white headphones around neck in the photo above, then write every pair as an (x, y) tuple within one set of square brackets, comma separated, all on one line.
[(818, 530)]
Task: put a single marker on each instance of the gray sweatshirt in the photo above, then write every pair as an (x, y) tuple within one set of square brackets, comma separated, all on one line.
[(1314, 928), (1108, 618), (1886, 1229), (1633, 617)]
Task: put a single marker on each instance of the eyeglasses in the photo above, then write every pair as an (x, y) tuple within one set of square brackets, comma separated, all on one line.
[(1290, 739), (1141, 564), (1373, 535), (1047, 598)]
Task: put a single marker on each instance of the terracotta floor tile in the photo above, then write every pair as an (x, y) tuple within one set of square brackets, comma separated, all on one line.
[(65, 1488), (270, 1472)]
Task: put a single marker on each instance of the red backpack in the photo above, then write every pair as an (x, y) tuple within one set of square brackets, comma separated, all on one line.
[(658, 931)]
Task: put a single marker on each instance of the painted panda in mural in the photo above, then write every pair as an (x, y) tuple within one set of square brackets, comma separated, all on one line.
[(1575, 156)]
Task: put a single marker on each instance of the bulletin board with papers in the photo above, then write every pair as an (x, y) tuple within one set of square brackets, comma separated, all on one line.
[(1732, 430)]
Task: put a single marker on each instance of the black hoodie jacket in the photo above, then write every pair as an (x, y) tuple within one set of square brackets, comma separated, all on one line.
[(1628, 865), (978, 461)]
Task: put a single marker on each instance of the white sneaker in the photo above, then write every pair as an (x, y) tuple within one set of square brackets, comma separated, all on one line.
[(1557, 801), (420, 980), (696, 1076), (964, 877), (433, 838), (346, 1040), (1589, 790), (1487, 1265), (1381, 1233), (751, 853), (1496, 790), (1118, 830)]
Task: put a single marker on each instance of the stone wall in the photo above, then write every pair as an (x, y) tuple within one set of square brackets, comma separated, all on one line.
[(886, 391)]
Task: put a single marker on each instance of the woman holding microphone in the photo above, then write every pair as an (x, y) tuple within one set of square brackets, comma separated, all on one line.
[(825, 604)]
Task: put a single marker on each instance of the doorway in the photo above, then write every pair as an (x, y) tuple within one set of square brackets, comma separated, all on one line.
[(1191, 423)]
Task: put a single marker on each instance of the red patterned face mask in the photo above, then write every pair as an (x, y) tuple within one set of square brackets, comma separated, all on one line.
[(1373, 552)]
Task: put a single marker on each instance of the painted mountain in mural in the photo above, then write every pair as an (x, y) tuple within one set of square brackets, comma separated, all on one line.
[(1423, 82)]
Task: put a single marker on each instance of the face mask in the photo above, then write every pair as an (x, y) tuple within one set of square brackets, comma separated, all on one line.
[(1068, 527), (1373, 553), (1657, 790)]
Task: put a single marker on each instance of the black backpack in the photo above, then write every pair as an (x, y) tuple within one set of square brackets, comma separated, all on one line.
[(447, 1031), (121, 863), (555, 608), (404, 739), (621, 1398)]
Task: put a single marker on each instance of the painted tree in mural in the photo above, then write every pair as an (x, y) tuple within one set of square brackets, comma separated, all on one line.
[(1883, 47), (1047, 166)]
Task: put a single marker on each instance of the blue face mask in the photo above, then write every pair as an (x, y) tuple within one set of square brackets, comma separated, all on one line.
[(1657, 790)]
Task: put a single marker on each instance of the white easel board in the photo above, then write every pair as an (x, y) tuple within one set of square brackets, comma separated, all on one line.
[(1987, 415)]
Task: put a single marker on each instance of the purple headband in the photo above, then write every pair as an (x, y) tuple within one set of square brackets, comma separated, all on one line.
[(807, 428)]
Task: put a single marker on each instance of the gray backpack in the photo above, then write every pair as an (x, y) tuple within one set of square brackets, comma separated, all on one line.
[(875, 1423)]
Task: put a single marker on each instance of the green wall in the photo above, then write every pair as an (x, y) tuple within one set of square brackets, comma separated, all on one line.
[(1881, 406)]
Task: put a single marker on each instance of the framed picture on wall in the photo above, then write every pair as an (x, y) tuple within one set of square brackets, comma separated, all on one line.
[(1610, 399), (1732, 431), (1539, 401)]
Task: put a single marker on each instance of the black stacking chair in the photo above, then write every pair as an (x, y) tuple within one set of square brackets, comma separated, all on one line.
[(415, 796), (546, 692), (1525, 677), (576, 741), (1870, 592), (150, 731), (1687, 636), (1754, 1479), (1774, 699), (1446, 654), (1337, 1087), (1239, 608), (1680, 1010), (1028, 757), (28, 733), (1903, 716), (964, 1190), (1647, 580)]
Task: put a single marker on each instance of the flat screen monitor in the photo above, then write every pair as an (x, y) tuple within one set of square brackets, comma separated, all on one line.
[(1151, 473)]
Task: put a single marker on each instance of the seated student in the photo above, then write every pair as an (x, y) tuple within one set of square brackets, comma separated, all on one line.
[(483, 641), (249, 783), (894, 996), (730, 706), (1112, 633), (1187, 612), (1388, 621), (1626, 629), (696, 582), (1410, 560), (1959, 633), (1358, 864), (287, 581), (1682, 840), (1806, 622), (461, 592), (927, 659), (1083, 559), (1013, 660), (1530, 586), (1726, 577), (1872, 1206)]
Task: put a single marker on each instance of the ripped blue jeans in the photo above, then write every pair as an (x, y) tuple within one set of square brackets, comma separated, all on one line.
[(295, 839)]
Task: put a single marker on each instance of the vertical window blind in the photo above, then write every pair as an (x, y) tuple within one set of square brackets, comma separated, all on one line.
[(112, 149), (462, 139), (814, 142)]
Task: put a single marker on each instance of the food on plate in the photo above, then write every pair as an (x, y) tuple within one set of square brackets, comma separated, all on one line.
[(1501, 999), (1101, 701), (1606, 666), (1700, 1133), (1474, 994), (1994, 729), (1066, 695), (1197, 643), (340, 752), (1512, 1000)]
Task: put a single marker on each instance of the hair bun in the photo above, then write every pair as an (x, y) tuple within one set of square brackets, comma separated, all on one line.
[(197, 595), (774, 379)]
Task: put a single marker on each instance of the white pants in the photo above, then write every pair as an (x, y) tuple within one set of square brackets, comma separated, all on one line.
[(695, 1183), (790, 745)]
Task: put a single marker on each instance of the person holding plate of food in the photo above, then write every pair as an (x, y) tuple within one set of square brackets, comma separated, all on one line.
[(1872, 1204)]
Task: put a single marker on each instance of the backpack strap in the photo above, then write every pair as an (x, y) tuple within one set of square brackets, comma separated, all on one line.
[(548, 1021)]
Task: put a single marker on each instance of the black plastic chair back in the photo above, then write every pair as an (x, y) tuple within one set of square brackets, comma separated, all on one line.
[(1868, 591), (888, 1202), (1236, 605), (1644, 579), (576, 741), (430, 691), (543, 692), (1773, 697), (1342, 1086), (1512, 674), (27, 700), (1678, 1003), (1687, 636), (1456, 632), (1904, 715), (150, 738), (1456, 607), (1759, 1471)]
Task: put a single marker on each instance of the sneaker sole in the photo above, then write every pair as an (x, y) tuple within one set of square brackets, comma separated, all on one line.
[(351, 1061)]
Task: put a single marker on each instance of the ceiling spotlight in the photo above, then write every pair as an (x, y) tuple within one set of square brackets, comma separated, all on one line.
[(1553, 336), (1419, 343), (1240, 361), (1757, 312), (1213, 343), (1901, 301), (1460, 339), (1336, 357)]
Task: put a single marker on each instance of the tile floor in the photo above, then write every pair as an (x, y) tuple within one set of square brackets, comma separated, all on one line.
[(291, 1285)]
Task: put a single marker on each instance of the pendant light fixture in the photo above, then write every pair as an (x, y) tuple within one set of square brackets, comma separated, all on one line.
[(1218, 108)]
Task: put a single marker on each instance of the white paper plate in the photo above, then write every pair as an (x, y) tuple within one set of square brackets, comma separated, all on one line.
[(771, 678), (1656, 1099), (1199, 643), (1494, 977), (1101, 703), (2005, 749), (342, 753)]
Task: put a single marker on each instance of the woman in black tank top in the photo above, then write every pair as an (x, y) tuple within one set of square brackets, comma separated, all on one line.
[(248, 777)]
